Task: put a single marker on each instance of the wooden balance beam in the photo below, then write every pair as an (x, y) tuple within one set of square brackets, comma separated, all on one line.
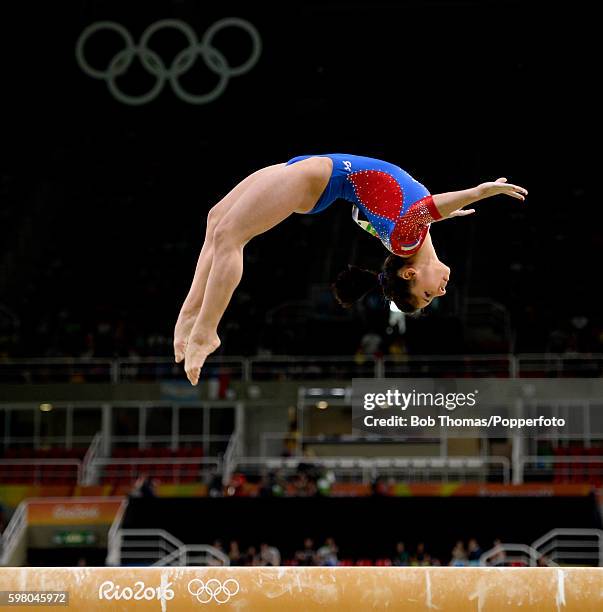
[(264, 589)]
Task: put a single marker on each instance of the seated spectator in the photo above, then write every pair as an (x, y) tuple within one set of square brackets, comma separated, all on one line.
[(303, 485), (499, 558), (269, 555), (237, 485), (370, 344), (401, 558), (234, 553), (214, 487), (217, 544), (306, 556), (324, 482), (474, 552), (272, 485), (251, 557), (421, 557), (459, 555), (379, 487), (327, 554), (542, 561)]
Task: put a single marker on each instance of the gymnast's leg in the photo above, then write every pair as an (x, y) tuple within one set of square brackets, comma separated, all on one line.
[(267, 202), (192, 304)]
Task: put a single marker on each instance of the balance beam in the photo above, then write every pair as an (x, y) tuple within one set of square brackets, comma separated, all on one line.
[(313, 588)]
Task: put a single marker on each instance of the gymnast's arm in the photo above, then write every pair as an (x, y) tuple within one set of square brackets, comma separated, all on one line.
[(451, 204)]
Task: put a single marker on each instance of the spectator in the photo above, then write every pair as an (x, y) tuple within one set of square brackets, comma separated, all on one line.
[(215, 488), (499, 558), (272, 485), (269, 555), (324, 482), (237, 487), (401, 558), (144, 487), (421, 557), (542, 561), (218, 544), (303, 485), (459, 555), (251, 556), (306, 556), (379, 487), (474, 552), (370, 344), (220, 547), (327, 554), (234, 553)]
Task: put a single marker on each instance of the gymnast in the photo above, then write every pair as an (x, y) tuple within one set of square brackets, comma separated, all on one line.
[(396, 209)]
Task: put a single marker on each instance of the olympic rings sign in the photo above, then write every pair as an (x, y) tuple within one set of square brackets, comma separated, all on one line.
[(213, 590), (182, 62)]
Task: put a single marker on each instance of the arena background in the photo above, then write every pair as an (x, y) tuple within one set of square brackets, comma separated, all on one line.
[(103, 210)]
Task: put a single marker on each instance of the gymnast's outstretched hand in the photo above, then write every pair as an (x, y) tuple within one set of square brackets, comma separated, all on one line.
[(451, 204), (463, 212), (500, 186)]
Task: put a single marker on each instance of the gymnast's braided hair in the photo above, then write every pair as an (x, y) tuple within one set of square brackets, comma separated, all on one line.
[(354, 283)]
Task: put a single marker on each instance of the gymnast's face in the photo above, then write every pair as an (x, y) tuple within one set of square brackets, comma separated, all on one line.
[(428, 280)]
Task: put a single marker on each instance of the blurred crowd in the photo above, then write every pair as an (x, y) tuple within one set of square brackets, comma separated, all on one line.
[(463, 554), (103, 333)]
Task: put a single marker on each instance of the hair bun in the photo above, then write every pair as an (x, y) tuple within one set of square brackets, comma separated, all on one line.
[(353, 284)]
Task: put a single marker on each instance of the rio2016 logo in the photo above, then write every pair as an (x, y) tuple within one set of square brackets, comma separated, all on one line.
[(139, 592)]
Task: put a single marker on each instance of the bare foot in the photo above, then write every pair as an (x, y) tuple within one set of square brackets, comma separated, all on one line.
[(182, 331), (197, 352)]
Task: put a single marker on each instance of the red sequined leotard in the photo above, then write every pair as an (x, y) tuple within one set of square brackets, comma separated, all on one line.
[(399, 208)]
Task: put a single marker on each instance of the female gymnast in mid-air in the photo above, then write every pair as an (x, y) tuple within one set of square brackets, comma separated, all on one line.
[(398, 211)]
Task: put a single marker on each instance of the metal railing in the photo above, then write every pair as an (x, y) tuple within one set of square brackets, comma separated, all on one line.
[(94, 450), (14, 532), (231, 456), (175, 433), (95, 469), (569, 546), (366, 470), (172, 469), (288, 367), (572, 468), (159, 548), (194, 554), (513, 554), (572, 546), (451, 366), (114, 536), (90, 369), (146, 546), (577, 365), (40, 471)]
